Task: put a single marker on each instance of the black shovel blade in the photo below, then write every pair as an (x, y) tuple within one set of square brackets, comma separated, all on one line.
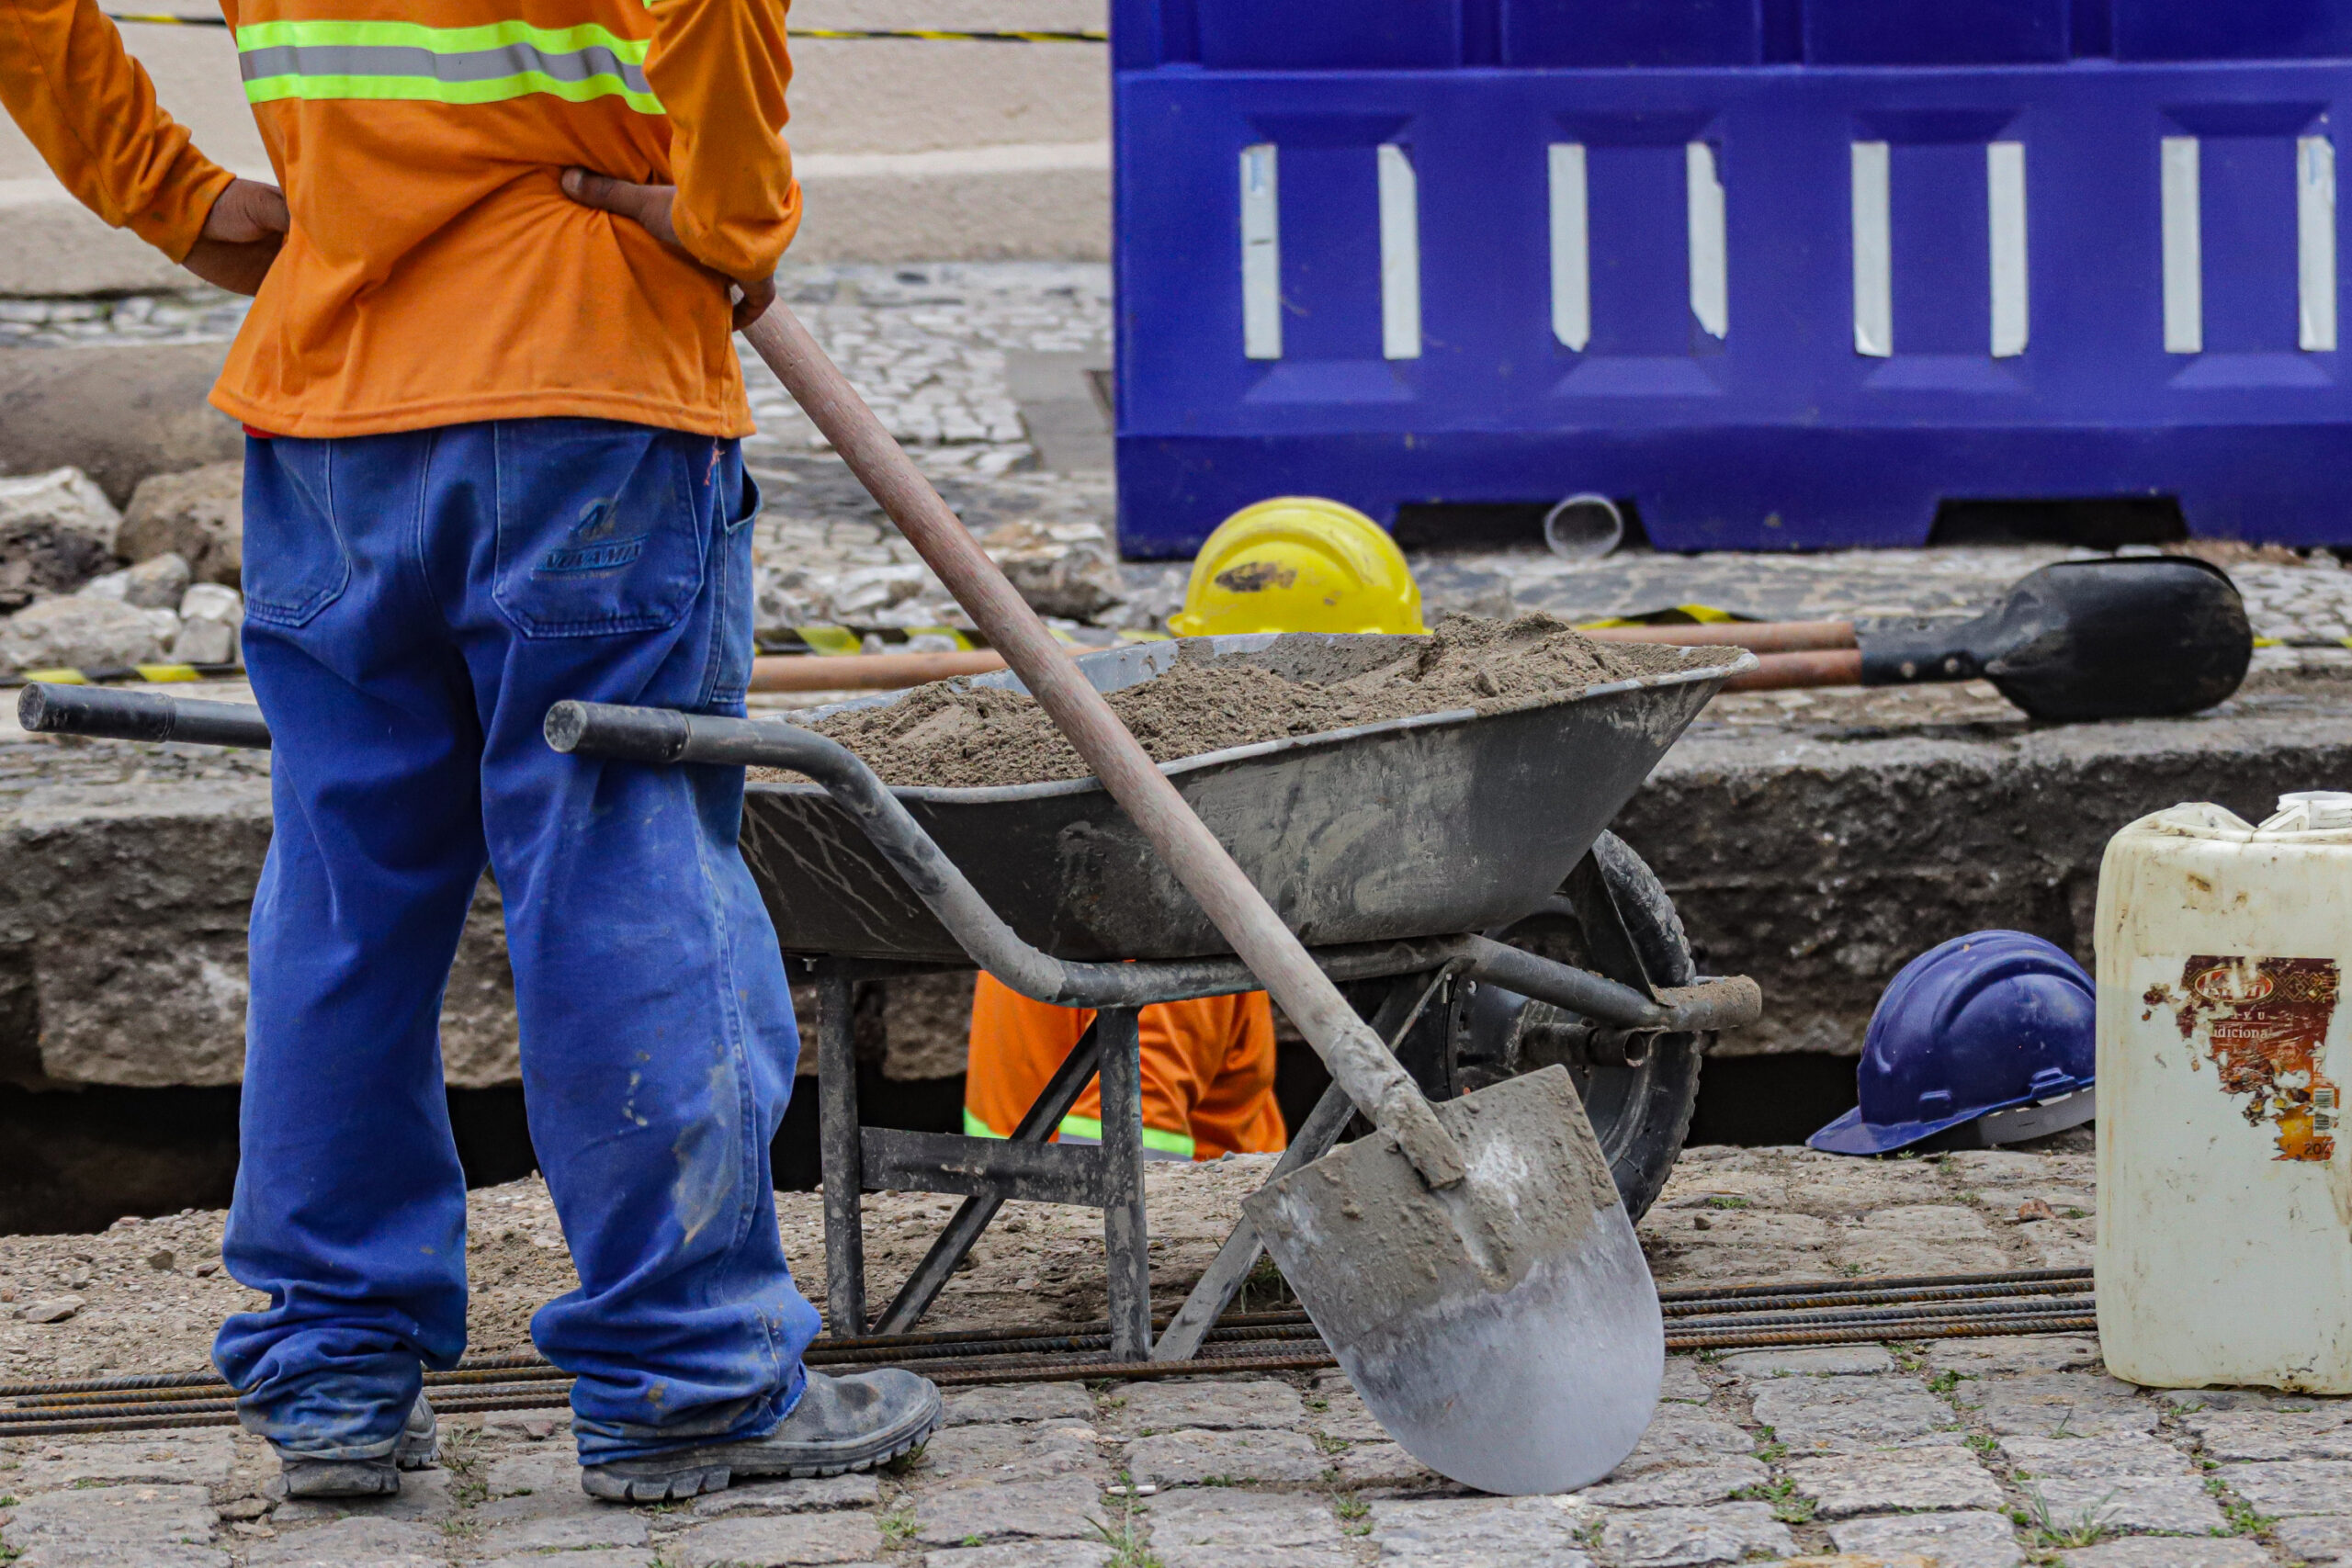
[(2139, 638)]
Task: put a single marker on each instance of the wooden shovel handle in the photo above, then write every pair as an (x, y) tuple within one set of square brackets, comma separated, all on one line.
[(1358, 1061), (1756, 636), (1785, 672), (868, 672)]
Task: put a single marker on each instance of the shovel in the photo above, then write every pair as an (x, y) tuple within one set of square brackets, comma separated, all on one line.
[(2132, 638), (1470, 1265)]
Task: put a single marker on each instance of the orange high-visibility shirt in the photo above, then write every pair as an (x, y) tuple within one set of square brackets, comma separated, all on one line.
[(435, 273), (1208, 1071)]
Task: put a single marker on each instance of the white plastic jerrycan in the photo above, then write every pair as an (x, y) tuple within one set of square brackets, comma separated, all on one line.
[(2224, 1172)]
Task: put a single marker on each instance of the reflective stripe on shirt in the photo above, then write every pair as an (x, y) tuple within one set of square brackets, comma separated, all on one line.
[(1156, 1141), (452, 66)]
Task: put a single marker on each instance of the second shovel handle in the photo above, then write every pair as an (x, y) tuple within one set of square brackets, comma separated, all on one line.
[(1756, 636), (1359, 1060), (1786, 672)]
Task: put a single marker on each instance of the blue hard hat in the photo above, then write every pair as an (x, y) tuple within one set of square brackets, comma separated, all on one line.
[(1982, 1023)]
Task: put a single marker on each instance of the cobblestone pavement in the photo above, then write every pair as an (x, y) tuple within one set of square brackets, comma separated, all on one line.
[(1970, 1454)]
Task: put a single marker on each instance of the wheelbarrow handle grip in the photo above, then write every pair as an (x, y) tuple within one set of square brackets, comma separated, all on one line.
[(101, 712), (1359, 1060)]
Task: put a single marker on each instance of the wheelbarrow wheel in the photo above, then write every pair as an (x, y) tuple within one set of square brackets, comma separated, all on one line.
[(1641, 1109)]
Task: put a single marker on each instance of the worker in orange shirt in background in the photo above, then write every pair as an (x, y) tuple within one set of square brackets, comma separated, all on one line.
[(495, 407), (1293, 564)]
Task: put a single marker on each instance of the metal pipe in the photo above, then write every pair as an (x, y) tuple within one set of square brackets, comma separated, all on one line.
[(44, 708)]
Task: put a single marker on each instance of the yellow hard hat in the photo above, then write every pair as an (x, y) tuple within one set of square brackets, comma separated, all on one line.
[(1299, 563)]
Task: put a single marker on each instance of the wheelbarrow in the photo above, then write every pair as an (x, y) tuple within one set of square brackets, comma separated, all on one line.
[(1451, 868)]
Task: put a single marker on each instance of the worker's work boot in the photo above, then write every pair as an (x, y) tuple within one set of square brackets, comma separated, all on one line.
[(418, 1446), (841, 1424)]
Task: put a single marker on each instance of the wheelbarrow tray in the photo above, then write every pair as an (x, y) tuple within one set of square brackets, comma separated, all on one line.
[(1431, 825)]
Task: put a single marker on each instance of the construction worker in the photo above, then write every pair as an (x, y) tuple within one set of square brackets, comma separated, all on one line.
[(494, 464), (1293, 564)]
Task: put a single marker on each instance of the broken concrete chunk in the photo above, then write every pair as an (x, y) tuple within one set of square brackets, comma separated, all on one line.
[(200, 514), (1061, 569), (57, 1309), (63, 499), (205, 642), (81, 632), (153, 584)]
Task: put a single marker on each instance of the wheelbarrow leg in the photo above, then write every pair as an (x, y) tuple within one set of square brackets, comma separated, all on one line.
[(1126, 1246), (972, 1216), (1406, 1001), (844, 1157)]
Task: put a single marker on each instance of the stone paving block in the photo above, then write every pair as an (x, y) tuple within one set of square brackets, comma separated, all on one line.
[(2317, 1539), (2177, 1505), (1826, 1183), (1681, 1435), (196, 1459), (1192, 1457), (1018, 1403), (1486, 1532), (1345, 1418), (2023, 1353), (1012, 1453), (2281, 1487), (1685, 1485), (1260, 1404), (426, 1495), (62, 1555), (976, 1513), (859, 1490), (607, 1526), (2194, 1401), (1385, 1466), (1684, 1381), (1921, 1238), (1911, 1481), (1737, 1244), (1674, 1538), (1818, 1361), (1823, 1413), (2047, 1403), (1024, 1554), (2273, 1435), (533, 1470), (1951, 1540), (354, 1543), (105, 1515), (610, 1557), (2144, 1552), (1216, 1526), (2123, 1453), (775, 1541)]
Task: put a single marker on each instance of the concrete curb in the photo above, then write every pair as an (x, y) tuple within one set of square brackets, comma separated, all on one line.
[(119, 413)]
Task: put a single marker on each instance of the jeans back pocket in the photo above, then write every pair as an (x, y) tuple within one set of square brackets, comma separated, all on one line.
[(597, 527), (295, 562)]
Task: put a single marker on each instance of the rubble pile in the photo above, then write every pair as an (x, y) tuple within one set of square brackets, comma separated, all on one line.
[(90, 588)]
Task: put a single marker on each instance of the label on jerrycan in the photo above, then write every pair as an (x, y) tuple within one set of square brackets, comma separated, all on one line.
[(2262, 1023)]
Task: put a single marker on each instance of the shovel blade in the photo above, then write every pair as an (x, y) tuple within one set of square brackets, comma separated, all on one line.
[(1505, 1331)]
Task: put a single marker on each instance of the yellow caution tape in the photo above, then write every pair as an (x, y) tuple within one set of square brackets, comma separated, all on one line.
[(831, 640), (1672, 615), (936, 35), (153, 674)]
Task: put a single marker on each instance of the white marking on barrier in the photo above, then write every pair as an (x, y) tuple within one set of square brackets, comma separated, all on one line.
[(1873, 254), (2316, 242), (1571, 247), (1401, 255), (2005, 214), (1261, 255), (1710, 270), (2184, 248)]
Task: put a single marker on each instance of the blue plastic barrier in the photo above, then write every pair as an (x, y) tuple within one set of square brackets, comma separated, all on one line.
[(1781, 274)]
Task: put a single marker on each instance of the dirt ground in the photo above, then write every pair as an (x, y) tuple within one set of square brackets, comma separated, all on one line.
[(151, 1292)]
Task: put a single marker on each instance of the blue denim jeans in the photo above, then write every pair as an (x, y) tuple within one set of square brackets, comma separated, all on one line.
[(415, 602)]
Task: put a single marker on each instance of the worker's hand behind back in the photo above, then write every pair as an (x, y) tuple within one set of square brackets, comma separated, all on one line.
[(650, 206), (241, 237)]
